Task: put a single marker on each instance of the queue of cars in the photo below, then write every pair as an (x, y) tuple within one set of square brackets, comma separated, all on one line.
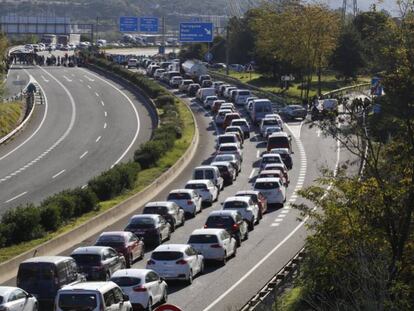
[(100, 277)]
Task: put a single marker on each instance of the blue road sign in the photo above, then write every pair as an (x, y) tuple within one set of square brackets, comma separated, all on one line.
[(128, 24), (208, 57), (196, 32), (161, 50), (148, 24)]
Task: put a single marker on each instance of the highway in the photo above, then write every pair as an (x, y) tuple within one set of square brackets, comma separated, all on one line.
[(87, 124)]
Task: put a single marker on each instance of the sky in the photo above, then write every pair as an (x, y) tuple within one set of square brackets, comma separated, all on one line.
[(364, 5)]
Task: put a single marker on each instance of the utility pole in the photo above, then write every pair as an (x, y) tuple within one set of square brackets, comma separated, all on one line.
[(227, 49), (163, 35)]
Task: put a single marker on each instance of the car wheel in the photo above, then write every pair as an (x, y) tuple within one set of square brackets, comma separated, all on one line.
[(107, 276), (258, 220), (238, 240), (250, 225), (141, 256), (190, 278), (246, 236), (234, 251), (202, 268), (158, 241), (149, 306), (182, 220), (169, 235), (224, 261), (164, 296), (35, 307), (130, 261)]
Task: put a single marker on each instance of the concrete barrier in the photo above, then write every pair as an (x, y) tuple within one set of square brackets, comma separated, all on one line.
[(8, 269)]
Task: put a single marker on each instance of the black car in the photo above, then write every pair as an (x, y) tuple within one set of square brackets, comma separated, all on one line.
[(193, 88), (227, 171), (169, 210), (153, 228), (98, 263)]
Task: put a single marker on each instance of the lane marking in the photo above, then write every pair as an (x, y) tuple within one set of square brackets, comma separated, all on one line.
[(60, 173), (275, 224), (106, 114), (281, 243), (80, 80), (282, 216), (98, 139), (84, 186), (89, 78), (97, 95), (252, 173), (18, 78), (16, 197), (83, 154), (258, 154), (44, 79), (67, 79), (89, 86), (102, 103), (105, 125), (72, 75)]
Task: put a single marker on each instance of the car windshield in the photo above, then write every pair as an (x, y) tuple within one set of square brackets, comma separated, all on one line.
[(179, 196), (77, 302), (270, 122), (226, 139), (251, 196), (196, 186), (87, 259), (271, 160), (228, 148), (222, 168), (1, 299), (33, 272), (239, 123), (166, 255), (203, 239), (278, 140), (126, 281), (219, 222), (142, 222), (235, 204), (109, 240), (266, 185), (244, 93), (161, 210), (224, 158), (204, 174), (263, 107)]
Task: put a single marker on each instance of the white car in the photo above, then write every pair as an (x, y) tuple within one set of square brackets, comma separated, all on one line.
[(208, 101), (144, 287), (205, 188), (227, 90), (246, 207), (242, 96), (230, 148), (272, 188), (132, 63), (268, 158), (243, 124), (94, 296), (270, 130), (267, 122), (187, 199), (228, 138), (221, 115), (158, 72), (213, 244), (228, 106), (176, 81), (16, 299), (176, 262)]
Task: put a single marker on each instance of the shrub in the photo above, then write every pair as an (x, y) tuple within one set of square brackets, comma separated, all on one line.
[(66, 201), (22, 224), (86, 201), (165, 100), (149, 153), (50, 217)]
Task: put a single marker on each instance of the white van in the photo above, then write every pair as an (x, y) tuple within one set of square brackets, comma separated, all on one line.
[(93, 296), (132, 63), (260, 107), (242, 96), (209, 172), (204, 92)]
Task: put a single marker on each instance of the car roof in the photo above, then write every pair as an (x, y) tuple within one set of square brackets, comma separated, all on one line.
[(204, 167), (234, 127), (153, 216), (239, 120), (229, 145), (182, 190), (225, 155), (234, 198), (279, 134), (215, 231), (223, 213), (171, 247), (48, 259), (198, 181), (270, 172), (247, 192), (94, 250), (281, 150), (121, 233), (267, 179), (5, 291), (160, 203), (223, 163), (271, 155), (138, 273), (226, 134), (92, 286)]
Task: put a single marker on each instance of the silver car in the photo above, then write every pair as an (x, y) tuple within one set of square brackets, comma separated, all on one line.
[(16, 299)]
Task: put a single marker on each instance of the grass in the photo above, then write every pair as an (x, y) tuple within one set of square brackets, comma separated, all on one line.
[(9, 116), (291, 300), (329, 83), (145, 178)]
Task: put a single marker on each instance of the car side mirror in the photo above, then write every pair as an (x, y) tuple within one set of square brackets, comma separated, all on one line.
[(28, 295), (125, 297), (162, 279)]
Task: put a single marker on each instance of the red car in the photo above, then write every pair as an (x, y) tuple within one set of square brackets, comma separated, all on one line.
[(257, 198), (126, 243)]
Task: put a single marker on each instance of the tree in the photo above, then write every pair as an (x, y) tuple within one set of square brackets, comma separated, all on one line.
[(347, 58)]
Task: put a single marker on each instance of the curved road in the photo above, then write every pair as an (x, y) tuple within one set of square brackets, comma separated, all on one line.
[(87, 124), (273, 242)]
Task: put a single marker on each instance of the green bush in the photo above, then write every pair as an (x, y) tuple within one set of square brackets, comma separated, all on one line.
[(86, 201), (164, 100), (22, 224), (50, 217), (149, 153), (66, 200)]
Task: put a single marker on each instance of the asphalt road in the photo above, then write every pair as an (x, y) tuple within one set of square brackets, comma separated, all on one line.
[(87, 124)]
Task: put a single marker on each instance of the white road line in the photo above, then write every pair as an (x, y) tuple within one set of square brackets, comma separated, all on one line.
[(258, 154), (67, 79), (285, 211), (83, 154), (90, 79), (133, 108), (80, 80), (102, 103), (106, 114), (97, 95), (252, 173), (275, 224), (84, 186), (89, 86), (17, 78), (60, 173), (278, 220), (319, 132), (105, 125), (16, 197), (282, 216), (98, 139), (44, 79)]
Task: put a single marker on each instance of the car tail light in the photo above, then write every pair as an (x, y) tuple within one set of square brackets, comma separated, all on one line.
[(139, 289), (235, 227), (205, 226), (215, 246), (181, 262), (189, 202), (150, 262), (97, 267)]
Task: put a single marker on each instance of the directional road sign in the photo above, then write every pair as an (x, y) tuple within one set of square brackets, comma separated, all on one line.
[(128, 24), (196, 32), (148, 24)]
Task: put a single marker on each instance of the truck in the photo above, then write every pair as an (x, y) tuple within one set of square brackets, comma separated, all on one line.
[(69, 39), (48, 39), (193, 69)]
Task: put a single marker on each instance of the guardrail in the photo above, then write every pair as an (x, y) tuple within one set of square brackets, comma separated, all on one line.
[(347, 89)]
